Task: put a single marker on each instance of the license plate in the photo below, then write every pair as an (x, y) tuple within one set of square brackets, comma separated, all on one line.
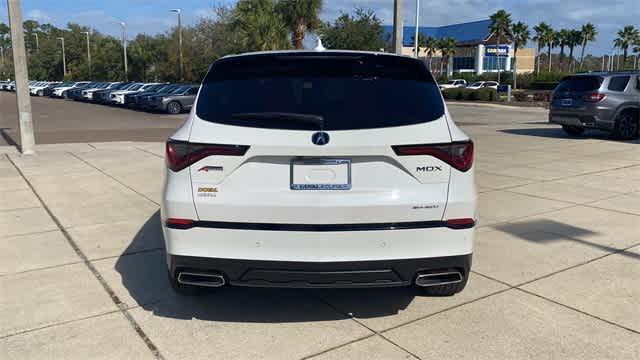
[(566, 102), (321, 174)]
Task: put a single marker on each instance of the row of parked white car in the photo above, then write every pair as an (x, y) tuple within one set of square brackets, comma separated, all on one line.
[(461, 83)]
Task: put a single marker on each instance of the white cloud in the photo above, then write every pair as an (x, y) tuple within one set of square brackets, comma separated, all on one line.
[(38, 15)]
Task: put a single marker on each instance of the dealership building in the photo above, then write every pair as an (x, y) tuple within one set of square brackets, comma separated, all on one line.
[(476, 49)]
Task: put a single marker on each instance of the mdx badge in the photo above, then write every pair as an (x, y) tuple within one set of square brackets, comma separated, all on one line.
[(428, 168), (320, 138)]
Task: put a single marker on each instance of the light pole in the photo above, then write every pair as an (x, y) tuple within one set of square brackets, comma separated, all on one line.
[(124, 49), (179, 12), (64, 58), (88, 52), (416, 47), (398, 27), (37, 41), (23, 102)]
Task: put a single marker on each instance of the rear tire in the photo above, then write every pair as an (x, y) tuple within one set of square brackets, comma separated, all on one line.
[(627, 126), (174, 108), (445, 290), (573, 130)]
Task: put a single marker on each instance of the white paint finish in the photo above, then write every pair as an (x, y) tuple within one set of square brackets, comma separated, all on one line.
[(255, 188), (319, 246)]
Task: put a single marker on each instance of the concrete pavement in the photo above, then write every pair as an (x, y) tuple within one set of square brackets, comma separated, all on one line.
[(555, 273)]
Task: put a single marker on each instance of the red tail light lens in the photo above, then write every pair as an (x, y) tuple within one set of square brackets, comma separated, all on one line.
[(457, 154), (465, 223), (594, 97), (181, 154), (175, 223)]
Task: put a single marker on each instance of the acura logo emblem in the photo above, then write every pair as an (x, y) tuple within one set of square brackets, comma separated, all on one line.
[(320, 138)]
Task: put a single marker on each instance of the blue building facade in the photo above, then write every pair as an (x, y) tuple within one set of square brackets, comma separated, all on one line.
[(476, 49)]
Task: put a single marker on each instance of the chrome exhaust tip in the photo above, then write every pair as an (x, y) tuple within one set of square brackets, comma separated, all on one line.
[(439, 278), (201, 279)]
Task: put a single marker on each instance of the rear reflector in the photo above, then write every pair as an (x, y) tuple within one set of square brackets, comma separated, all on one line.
[(465, 223), (457, 154), (175, 223), (181, 154)]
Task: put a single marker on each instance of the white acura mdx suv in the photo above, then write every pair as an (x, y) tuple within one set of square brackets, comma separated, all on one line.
[(319, 169)]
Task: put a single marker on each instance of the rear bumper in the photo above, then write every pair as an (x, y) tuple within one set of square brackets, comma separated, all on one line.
[(295, 274), (319, 246), (597, 118)]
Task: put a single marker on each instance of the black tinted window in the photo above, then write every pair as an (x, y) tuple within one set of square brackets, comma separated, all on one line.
[(618, 83), (638, 83), (580, 83), (349, 91)]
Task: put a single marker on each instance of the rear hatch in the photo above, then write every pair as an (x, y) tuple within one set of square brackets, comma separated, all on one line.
[(308, 138), (575, 92)]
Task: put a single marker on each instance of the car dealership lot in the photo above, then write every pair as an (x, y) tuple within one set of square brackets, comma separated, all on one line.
[(82, 272)]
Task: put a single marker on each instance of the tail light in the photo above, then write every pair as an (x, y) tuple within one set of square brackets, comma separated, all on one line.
[(457, 154), (594, 97), (181, 154)]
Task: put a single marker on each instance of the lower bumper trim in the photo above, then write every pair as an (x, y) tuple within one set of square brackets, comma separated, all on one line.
[(291, 274)]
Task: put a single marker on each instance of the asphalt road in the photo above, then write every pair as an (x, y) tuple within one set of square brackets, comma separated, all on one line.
[(65, 121)]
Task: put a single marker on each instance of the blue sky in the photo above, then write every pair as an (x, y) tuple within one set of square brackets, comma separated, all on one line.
[(152, 16)]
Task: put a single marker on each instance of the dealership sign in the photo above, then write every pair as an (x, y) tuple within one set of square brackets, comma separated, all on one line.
[(492, 50)]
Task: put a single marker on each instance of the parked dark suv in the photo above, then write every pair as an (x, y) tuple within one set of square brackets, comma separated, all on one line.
[(606, 101)]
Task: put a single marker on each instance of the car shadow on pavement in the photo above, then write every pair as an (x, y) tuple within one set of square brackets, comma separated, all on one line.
[(558, 133), (546, 231), (144, 276)]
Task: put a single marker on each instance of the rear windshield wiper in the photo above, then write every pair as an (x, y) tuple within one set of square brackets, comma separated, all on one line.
[(317, 120)]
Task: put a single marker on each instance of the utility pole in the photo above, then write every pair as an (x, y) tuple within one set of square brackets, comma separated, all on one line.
[(25, 120), (179, 12), (416, 45), (124, 49), (37, 41), (64, 58), (88, 52), (398, 27)]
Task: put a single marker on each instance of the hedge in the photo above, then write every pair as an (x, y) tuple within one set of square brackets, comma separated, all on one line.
[(470, 94)]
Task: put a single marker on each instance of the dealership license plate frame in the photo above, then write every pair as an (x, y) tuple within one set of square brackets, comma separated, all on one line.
[(315, 161)]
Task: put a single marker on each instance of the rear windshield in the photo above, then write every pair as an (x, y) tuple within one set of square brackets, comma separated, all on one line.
[(580, 83), (348, 91)]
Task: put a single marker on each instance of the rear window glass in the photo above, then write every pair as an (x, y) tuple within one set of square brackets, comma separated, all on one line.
[(618, 83), (348, 91), (580, 83)]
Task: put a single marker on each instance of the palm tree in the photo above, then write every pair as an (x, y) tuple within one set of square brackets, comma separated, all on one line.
[(628, 36), (501, 29), (589, 33), (549, 38), (575, 38), (432, 48), (540, 29), (258, 26), (521, 35), (300, 16), (636, 50), (447, 49), (562, 41), (422, 42)]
